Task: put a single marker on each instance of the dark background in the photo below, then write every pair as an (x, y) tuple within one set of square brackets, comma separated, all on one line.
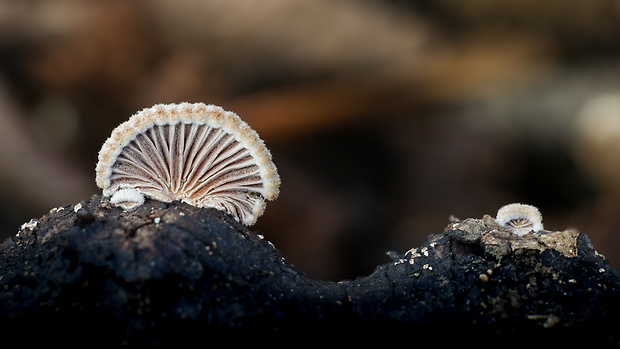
[(383, 117)]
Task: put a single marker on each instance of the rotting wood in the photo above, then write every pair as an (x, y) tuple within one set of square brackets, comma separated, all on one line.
[(173, 273)]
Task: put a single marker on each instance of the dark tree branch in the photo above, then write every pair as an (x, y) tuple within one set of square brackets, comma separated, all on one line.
[(173, 273)]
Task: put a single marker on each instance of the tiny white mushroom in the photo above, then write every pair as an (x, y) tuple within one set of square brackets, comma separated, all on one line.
[(127, 199), (520, 218)]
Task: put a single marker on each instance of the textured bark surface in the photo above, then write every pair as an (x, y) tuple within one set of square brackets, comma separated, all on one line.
[(173, 273)]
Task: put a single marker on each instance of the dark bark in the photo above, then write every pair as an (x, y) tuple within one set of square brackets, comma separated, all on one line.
[(173, 273)]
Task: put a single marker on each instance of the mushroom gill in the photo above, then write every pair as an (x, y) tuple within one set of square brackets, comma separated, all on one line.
[(196, 153)]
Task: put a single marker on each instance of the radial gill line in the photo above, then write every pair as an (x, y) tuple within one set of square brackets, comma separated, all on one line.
[(202, 160), (212, 154), (196, 136), (177, 142), (148, 143), (135, 159)]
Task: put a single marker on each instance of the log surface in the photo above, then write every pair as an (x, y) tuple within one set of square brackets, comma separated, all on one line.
[(171, 273)]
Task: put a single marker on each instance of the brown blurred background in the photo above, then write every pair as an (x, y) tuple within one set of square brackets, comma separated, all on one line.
[(383, 117)]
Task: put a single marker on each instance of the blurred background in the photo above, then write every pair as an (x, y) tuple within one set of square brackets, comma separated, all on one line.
[(383, 117)]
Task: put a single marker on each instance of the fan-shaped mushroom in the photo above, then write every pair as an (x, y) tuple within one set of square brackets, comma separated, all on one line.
[(196, 153)]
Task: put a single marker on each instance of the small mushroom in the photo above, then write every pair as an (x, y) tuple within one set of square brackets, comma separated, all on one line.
[(196, 153), (520, 218), (128, 199)]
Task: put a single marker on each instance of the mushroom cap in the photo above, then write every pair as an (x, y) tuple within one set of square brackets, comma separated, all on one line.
[(196, 153), (520, 218)]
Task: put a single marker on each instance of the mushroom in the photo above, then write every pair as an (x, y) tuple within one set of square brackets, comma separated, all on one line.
[(128, 199), (196, 153), (519, 218)]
